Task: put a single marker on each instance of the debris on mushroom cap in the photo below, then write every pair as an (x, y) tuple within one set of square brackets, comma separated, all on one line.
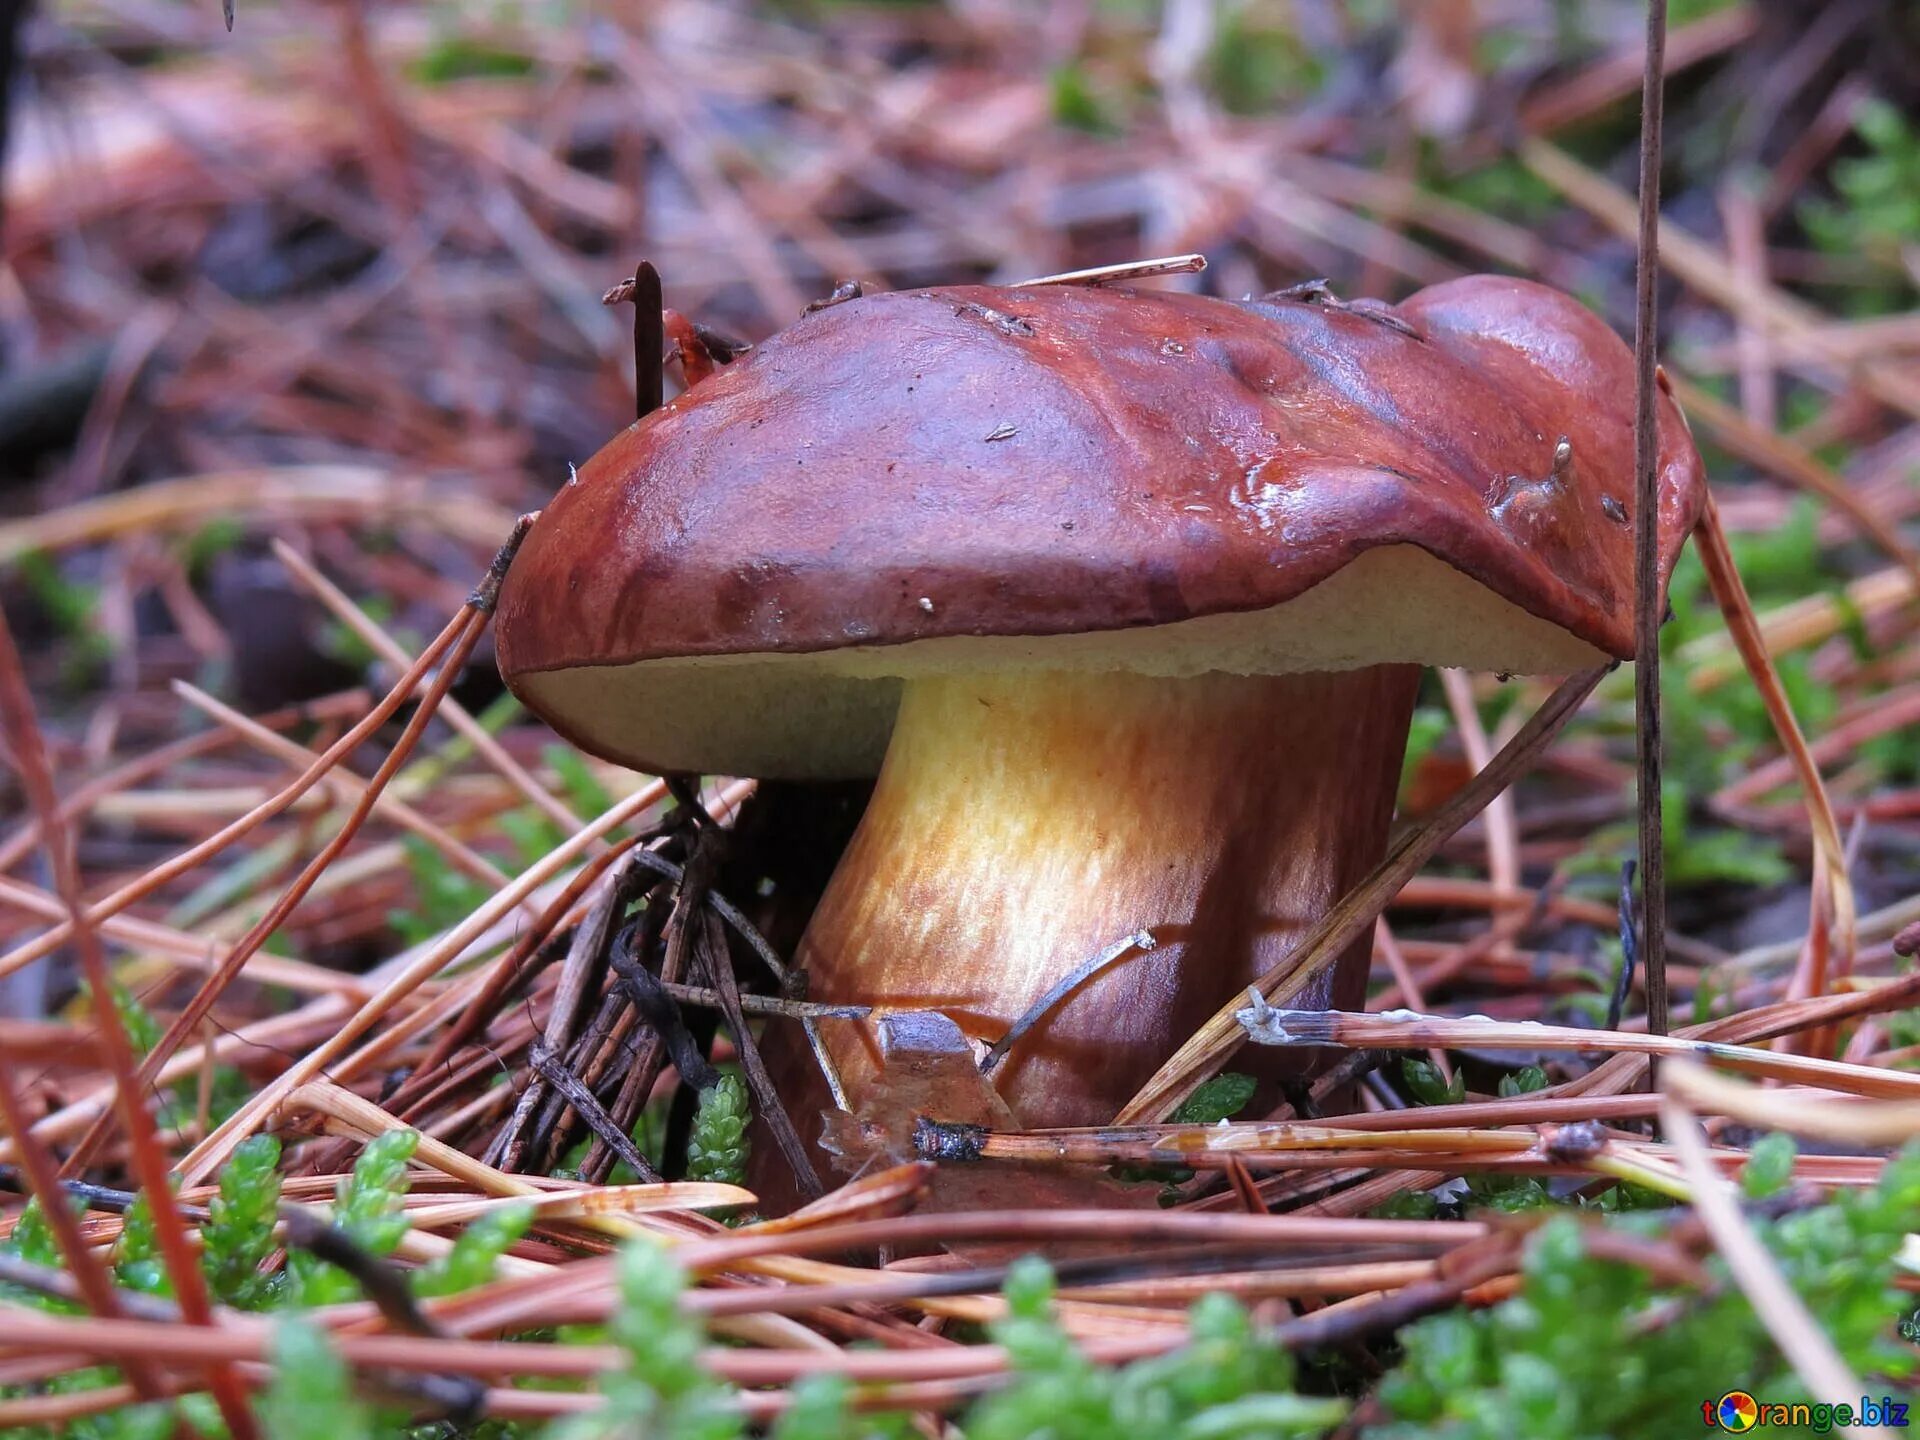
[(1088, 478)]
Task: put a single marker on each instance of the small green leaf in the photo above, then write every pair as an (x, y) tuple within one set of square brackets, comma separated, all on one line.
[(1524, 1081), (238, 1235), (368, 1208), (718, 1147), (475, 1253), (1221, 1098), (312, 1396), (1077, 105), (581, 787), (1407, 1205), (1424, 1082), (1769, 1167)]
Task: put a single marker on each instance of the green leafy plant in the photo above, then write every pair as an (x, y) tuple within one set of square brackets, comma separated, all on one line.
[(198, 550), (1426, 1084), (32, 1238), (578, 783), (312, 1395), (718, 1147), (1078, 104), (238, 1235), (440, 896), (1228, 1380), (1220, 1098), (1256, 64), (1524, 1081), (1594, 1347), (71, 607), (1877, 211), (367, 1210), (1429, 726), (475, 1254), (137, 1264), (227, 1088), (661, 1390), (454, 56)]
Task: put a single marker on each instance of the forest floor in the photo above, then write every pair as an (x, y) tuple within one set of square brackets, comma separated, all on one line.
[(297, 319)]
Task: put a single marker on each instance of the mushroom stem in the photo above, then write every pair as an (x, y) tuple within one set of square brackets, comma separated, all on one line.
[(1025, 822)]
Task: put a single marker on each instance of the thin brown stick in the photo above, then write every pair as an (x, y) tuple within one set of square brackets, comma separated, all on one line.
[(649, 341), (1130, 270), (698, 928), (1406, 1030), (181, 1259), (585, 963), (512, 968), (451, 710), (1646, 532)]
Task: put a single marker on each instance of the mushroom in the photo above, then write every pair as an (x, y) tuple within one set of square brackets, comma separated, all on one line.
[(1122, 595)]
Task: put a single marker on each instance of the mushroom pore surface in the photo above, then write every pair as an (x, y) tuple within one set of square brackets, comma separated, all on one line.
[(827, 714)]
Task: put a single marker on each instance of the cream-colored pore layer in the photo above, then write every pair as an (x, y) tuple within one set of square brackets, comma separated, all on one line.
[(827, 714)]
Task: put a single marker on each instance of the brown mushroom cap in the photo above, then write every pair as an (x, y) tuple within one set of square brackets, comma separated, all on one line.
[(1073, 478)]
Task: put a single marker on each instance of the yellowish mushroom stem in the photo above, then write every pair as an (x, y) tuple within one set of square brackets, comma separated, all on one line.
[(1024, 823)]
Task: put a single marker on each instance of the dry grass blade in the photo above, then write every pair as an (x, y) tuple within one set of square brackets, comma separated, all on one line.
[(1706, 270), (1129, 270), (385, 804), (1802, 623), (351, 1114), (1835, 1121), (451, 710), (1503, 839), (365, 1120), (1795, 1331), (229, 835), (213, 1150), (1832, 888), (315, 492)]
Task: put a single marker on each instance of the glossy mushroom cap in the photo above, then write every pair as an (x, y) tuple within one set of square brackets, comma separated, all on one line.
[(983, 479)]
